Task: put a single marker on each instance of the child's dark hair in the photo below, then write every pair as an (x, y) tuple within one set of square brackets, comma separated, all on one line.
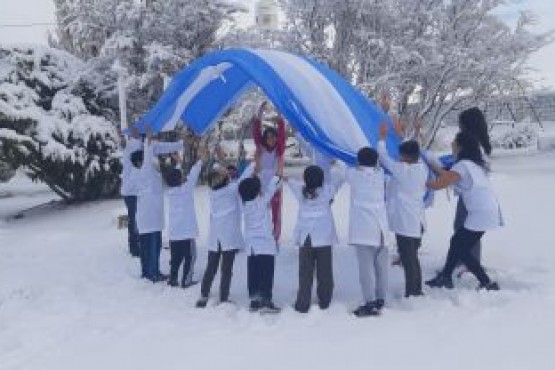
[(173, 177), (137, 158), (249, 188), (473, 122), (313, 179), (367, 157), (410, 150), (469, 149), (267, 132), (217, 179)]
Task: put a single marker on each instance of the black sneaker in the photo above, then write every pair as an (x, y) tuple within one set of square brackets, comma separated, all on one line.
[(491, 286), (202, 302), (173, 282), (368, 309), (300, 309), (188, 284), (324, 306), (379, 304), (440, 281), (268, 307), (254, 306)]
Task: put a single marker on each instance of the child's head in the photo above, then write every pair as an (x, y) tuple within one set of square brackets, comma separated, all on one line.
[(218, 178), (466, 146), (409, 151), (137, 158), (249, 188), (269, 138), (367, 157), (173, 177), (313, 179)]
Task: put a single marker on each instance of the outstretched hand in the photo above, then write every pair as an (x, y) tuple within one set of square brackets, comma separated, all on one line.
[(262, 108)]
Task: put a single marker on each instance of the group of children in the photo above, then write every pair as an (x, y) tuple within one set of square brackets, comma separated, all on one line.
[(245, 215)]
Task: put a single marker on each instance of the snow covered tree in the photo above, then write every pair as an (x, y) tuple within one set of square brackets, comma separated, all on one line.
[(52, 123), (152, 39), (433, 56)]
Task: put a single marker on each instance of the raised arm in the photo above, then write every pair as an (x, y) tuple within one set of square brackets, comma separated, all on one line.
[(257, 126), (445, 179), (385, 159), (248, 172), (296, 187), (272, 188)]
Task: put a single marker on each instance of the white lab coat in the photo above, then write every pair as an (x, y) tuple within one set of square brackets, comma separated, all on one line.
[(150, 196), (320, 159), (181, 203), (257, 222), (315, 217), (405, 194), (225, 216), (474, 186), (129, 177), (367, 215)]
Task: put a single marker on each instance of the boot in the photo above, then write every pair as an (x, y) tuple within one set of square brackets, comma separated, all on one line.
[(367, 309), (267, 306), (440, 281), (254, 305), (491, 286), (202, 302), (379, 304)]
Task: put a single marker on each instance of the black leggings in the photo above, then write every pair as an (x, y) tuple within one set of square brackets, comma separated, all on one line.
[(181, 253), (460, 250), (226, 272)]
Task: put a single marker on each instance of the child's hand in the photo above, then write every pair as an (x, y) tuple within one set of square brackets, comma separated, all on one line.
[(385, 101), (262, 109), (176, 157), (398, 126), (383, 130)]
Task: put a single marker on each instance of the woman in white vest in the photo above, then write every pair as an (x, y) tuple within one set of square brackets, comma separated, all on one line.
[(315, 235), (469, 175)]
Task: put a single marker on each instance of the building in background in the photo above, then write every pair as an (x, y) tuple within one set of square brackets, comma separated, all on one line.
[(267, 15)]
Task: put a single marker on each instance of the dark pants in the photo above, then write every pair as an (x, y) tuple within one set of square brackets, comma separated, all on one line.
[(133, 238), (151, 245), (462, 243), (312, 260), (408, 252), (180, 252), (226, 271), (460, 217), (260, 276)]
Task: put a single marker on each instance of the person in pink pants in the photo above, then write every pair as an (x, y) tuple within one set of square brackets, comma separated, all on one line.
[(270, 148)]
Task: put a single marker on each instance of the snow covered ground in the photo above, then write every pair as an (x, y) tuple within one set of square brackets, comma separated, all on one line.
[(71, 297)]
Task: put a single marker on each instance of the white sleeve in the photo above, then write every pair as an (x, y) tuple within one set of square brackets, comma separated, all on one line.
[(272, 188), (194, 174), (389, 163), (248, 172), (296, 188), (337, 180)]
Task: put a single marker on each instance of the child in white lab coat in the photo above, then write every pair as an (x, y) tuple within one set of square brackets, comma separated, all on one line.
[(183, 227), (259, 241), (225, 238), (315, 235), (405, 206), (150, 210), (368, 228), (469, 176)]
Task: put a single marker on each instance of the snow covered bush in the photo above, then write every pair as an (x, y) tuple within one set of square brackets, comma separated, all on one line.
[(522, 135), (52, 123)]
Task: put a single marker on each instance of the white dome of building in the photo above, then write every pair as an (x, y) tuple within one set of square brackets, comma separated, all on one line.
[(267, 14)]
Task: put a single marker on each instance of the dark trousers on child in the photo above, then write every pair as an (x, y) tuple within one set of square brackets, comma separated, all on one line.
[(226, 271), (133, 234), (260, 276), (460, 217), (408, 252), (313, 260), (181, 253), (151, 245), (460, 250)]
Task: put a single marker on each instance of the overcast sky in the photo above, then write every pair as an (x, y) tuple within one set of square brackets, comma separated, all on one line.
[(19, 12)]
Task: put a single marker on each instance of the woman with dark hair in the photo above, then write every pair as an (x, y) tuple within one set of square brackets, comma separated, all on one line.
[(473, 123), (469, 176)]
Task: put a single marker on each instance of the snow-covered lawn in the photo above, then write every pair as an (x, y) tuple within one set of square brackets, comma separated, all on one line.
[(71, 297)]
